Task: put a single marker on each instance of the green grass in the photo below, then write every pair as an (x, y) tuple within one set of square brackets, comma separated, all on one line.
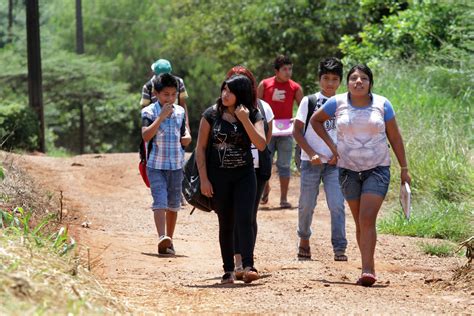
[(430, 218), (39, 273), (436, 123), (440, 250)]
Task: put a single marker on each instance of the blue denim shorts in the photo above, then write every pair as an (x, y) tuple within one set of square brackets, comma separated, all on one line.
[(284, 146), (354, 184), (165, 186)]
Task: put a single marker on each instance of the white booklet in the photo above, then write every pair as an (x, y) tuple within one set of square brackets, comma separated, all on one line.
[(405, 199)]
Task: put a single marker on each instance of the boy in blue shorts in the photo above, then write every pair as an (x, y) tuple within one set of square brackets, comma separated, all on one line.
[(318, 164), (164, 124)]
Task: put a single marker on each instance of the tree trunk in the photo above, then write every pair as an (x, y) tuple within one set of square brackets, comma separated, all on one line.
[(35, 93)]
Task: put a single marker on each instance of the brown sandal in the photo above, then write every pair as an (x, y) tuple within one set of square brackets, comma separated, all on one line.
[(340, 257), (304, 253)]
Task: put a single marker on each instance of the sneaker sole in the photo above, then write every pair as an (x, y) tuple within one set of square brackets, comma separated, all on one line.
[(163, 245)]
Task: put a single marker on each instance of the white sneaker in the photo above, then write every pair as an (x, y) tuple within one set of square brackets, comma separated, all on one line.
[(163, 243)]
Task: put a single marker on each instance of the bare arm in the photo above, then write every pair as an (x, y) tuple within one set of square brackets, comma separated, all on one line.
[(270, 131), (396, 141), (260, 90), (182, 102), (298, 134), (316, 121), (201, 158), (299, 95), (255, 131), (186, 139), (149, 132)]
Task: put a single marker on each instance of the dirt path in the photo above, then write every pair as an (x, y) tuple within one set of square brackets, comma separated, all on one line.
[(108, 191)]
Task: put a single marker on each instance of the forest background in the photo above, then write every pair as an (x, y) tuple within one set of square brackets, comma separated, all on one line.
[(421, 53)]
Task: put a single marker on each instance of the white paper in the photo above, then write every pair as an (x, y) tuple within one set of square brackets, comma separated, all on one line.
[(282, 127), (405, 199)]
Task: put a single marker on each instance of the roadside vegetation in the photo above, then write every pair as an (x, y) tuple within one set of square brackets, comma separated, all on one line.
[(40, 270)]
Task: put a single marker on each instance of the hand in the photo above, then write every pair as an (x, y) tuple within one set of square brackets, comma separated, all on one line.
[(405, 177), (166, 110), (333, 160), (206, 188), (242, 113), (315, 160)]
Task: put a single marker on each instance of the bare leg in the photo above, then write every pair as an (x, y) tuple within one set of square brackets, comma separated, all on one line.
[(354, 206), (284, 184), (171, 218), (160, 218), (266, 192), (304, 243), (369, 207)]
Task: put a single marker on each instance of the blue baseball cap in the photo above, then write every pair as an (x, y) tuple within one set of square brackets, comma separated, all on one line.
[(161, 66)]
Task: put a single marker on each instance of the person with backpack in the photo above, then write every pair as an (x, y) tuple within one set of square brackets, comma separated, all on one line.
[(262, 162), (281, 93), (365, 123), (164, 125), (227, 172), (159, 67), (318, 164)]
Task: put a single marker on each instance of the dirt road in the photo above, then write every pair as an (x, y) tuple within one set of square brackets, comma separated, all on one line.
[(108, 191)]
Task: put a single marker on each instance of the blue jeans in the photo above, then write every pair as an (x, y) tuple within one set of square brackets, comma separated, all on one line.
[(311, 177), (284, 146)]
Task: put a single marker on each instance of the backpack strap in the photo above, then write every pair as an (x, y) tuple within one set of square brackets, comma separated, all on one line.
[(312, 102), (262, 110)]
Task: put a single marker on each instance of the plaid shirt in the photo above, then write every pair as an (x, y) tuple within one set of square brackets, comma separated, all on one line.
[(166, 153)]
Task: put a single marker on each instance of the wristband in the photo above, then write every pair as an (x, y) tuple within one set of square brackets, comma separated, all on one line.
[(404, 168)]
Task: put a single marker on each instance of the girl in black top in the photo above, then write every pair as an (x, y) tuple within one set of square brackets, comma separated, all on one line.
[(226, 169)]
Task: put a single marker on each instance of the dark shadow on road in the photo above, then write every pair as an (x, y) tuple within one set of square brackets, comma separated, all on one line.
[(324, 281), (163, 256)]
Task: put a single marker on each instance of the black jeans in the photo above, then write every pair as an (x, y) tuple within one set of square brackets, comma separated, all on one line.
[(234, 199), (261, 181)]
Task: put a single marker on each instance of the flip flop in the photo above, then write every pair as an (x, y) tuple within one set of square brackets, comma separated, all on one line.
[(304, 253), (285, 204), (340, 257), (367, 279)]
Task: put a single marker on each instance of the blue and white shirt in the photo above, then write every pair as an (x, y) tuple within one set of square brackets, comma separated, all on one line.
[(361, 137), (167, 152)]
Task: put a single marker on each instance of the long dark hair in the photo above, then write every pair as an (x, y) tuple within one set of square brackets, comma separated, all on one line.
[(241, 70), (241, 87), (365, 69)]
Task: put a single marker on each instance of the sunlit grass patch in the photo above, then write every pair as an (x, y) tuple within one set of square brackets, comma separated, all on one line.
[(432, 219), (439, 250)]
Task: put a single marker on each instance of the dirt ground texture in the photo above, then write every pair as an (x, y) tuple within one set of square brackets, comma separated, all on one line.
[(107, 191)]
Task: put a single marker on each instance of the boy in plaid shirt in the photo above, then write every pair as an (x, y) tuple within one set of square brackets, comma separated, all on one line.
[(164, 124)]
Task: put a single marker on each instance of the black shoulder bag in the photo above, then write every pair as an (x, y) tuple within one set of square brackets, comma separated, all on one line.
[(191, 185)]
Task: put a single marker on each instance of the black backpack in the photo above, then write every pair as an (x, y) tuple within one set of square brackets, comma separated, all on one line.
[(312, 102), (265, 156)]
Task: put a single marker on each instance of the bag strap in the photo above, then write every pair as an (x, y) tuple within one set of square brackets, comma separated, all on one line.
[(312, 102), (265, 122)]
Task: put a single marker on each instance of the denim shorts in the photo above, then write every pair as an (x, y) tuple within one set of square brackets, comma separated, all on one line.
[(284, 146), (165, 186), (354, 184)]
